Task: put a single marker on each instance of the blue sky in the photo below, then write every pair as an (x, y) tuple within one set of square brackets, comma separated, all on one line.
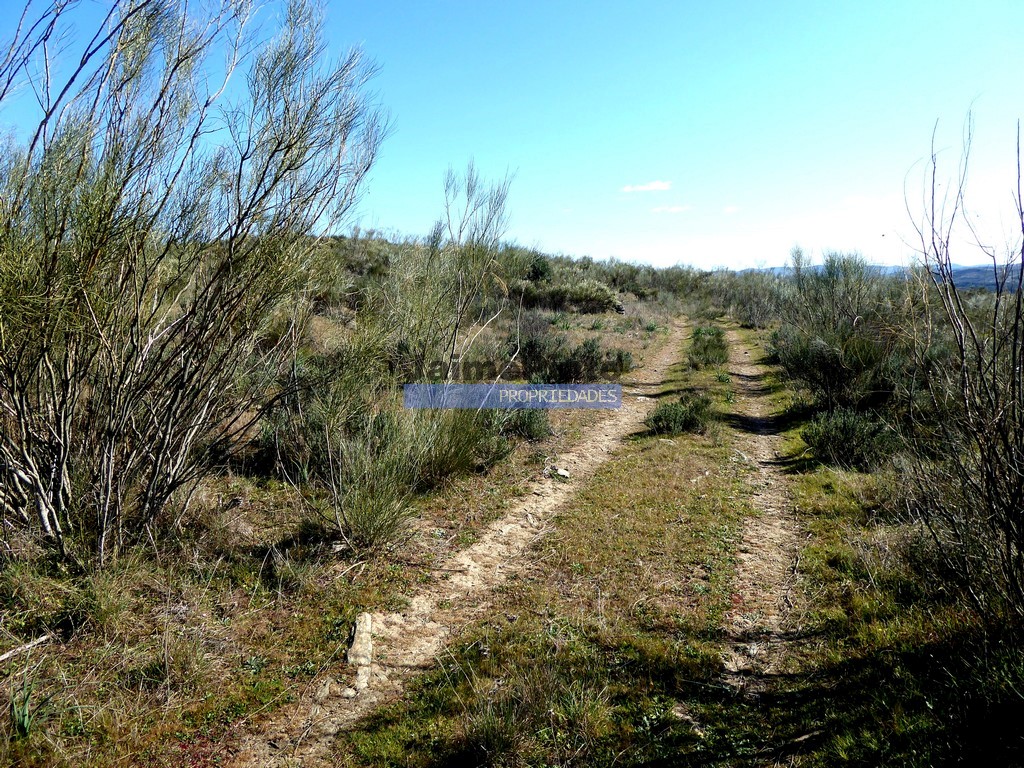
[(768, 124), (711, 134)]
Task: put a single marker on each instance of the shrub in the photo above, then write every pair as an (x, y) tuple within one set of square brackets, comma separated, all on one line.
[(849, 439), (546, 357), (970, 495), (708, 347), (689, 414), (618, 361), (839, 369), (588, 296), (451, 442), (534, 344), (138, 288), (592, 297), (370, 483), (539, 268), (531, 423), (752, 297), (841, 334), (582, 365)]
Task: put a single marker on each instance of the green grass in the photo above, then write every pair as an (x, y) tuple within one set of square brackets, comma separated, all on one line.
[(888, 667), (611, 656)]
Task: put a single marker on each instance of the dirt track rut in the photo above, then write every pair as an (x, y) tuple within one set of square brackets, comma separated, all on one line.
[(766, 560)]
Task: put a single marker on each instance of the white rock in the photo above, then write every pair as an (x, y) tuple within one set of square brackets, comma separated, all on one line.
[(360, 653)]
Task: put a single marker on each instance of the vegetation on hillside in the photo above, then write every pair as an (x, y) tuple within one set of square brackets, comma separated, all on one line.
[(206, 470)]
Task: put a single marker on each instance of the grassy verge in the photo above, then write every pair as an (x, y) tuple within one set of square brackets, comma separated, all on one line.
[(885, 665), (883, 671)]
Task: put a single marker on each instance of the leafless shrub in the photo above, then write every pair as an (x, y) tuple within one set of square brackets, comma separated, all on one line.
[(969, 487)]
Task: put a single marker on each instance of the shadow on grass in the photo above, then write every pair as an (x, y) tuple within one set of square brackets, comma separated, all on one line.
[(934, 704), (675, 392), (937, 703), (772, 424)]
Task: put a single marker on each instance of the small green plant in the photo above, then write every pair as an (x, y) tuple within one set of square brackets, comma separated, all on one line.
[(689, 414), (651, 327), (619, 361), (722, 377), (708, 347), (531, 423), (23, 715), (847, 438), (254, 665), (597, 325), (561, 321)]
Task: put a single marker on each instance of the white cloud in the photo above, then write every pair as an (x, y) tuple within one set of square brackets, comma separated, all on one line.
[(650, 186), (730, 209), (671, 209)]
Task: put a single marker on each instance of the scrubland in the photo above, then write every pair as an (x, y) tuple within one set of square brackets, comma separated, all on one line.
[(805, 548)]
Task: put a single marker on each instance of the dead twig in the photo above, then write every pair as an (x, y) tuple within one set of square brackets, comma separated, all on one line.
[(26, 647)]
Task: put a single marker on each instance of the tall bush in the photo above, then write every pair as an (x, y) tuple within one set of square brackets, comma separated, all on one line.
[(841, 334), (151, 228), (442, 293)]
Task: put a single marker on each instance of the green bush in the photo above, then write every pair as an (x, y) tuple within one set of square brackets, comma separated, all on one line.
[(582, 365), (332, 395), (587, 296), (849, 439), (688, 414), (530, 423), (451, 442), (708, 347), (618, 361), (842, 335), (840, 369), (539, 268), (546, 357), (370, 484), (147, 304), (592, 296)]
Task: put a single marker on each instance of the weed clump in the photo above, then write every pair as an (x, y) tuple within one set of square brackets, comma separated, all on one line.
[(689, 414), (847, 438), (708, 347), (529, 423)]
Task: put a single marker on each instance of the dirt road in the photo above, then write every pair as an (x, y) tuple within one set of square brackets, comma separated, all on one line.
[(406, 642)]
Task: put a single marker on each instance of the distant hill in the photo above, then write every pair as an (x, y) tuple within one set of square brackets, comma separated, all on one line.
[(982, 276)]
